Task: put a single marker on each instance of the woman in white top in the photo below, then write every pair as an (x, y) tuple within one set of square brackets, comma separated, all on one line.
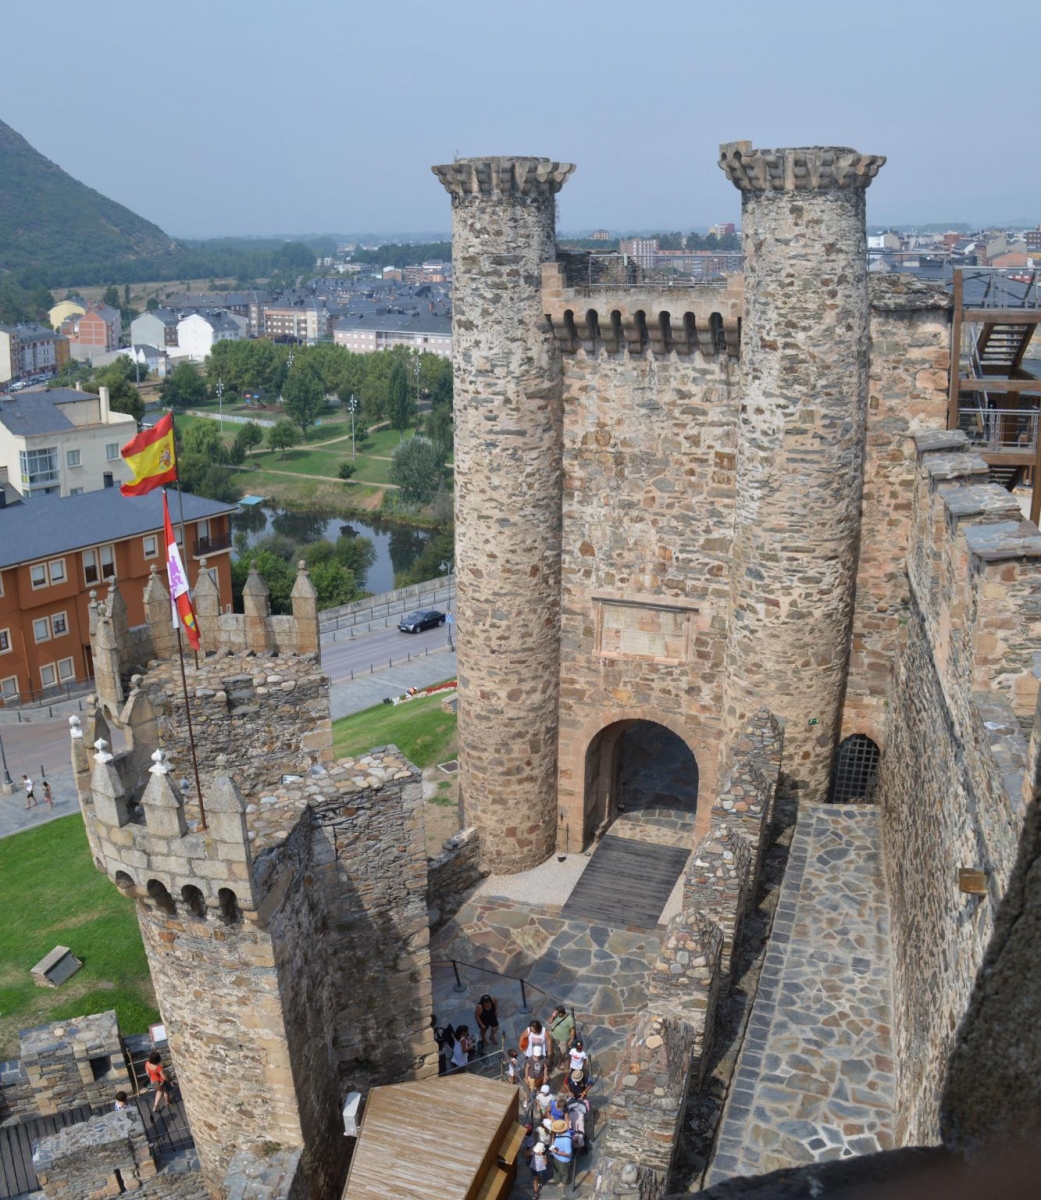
[(462, 1048), (535, 1044)]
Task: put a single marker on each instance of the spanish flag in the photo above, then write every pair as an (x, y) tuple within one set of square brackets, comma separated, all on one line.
[(150, 455)]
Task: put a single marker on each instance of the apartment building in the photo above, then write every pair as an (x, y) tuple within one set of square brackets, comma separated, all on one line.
[(30, 349), (62, 442), (54, 552), (93, 332), (420, 331)]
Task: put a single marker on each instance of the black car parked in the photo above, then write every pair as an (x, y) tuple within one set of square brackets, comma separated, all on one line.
[(425, 618)]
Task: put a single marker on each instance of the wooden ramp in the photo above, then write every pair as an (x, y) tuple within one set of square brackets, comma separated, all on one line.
[(626, 883)]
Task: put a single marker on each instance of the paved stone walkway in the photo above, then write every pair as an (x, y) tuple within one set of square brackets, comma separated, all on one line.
[(815, 1077)]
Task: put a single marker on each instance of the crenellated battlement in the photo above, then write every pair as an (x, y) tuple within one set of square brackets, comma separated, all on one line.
[(502, 176), (641, 320), (974, 565), (120, 649)]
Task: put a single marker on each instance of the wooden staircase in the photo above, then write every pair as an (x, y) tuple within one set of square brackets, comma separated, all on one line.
[(1001, 346)]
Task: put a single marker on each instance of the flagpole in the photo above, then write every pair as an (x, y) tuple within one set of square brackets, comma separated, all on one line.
[(180, 511), (187, 702)]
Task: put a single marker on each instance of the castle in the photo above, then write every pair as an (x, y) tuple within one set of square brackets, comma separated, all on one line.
[(732, 511)]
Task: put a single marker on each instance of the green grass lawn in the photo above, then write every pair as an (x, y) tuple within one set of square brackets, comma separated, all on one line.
[(301, 461), (373, 470), (384, 441), (50, 895), (419, 729)]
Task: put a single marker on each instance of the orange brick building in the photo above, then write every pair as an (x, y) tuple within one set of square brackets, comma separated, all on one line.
[(54, 551)]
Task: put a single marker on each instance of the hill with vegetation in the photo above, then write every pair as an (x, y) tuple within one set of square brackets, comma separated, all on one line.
[(57, 230)]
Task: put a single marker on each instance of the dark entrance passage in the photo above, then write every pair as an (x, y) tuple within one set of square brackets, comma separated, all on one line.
[(641, 784), (638, 767)]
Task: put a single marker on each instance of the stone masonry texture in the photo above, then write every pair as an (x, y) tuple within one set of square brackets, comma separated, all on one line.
[(287, 935), (951, 782), (507, 470), (800, 452)]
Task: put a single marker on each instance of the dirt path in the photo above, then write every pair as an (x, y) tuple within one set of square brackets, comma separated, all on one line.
[(327, 478)]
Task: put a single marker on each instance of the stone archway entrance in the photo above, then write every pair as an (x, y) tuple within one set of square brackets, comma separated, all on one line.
[(638, 767), (641, 795)]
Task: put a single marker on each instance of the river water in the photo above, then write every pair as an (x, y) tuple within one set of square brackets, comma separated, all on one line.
[(397, 546)]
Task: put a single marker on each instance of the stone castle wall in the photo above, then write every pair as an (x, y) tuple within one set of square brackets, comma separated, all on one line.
[(955, 751), (907, 390), (648, 496), (669, 1045)]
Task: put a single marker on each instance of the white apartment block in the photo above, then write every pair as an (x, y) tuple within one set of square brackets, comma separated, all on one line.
[(62, 442)]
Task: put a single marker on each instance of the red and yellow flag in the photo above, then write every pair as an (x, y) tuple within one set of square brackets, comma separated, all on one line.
[(180, 597), (150, 455)]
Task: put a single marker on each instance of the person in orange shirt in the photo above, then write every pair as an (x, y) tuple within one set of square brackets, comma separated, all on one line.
[(157, 1078)]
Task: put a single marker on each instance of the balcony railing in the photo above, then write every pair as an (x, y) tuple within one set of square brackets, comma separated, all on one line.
[(211, 545), (653, 270), (1001, 287), (1012, 430)]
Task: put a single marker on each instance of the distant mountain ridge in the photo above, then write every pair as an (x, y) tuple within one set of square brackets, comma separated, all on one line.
[(61, 231)]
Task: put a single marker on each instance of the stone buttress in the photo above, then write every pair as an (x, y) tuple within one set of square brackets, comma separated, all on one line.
[(508, 447), (800, 452)]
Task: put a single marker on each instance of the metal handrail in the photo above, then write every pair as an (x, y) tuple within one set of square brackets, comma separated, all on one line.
[(461, 987), (1000, 428), (652, 269), (1004, 287)]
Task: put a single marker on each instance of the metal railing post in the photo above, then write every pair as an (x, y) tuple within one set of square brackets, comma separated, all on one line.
[(524, 1000), (459, 985)]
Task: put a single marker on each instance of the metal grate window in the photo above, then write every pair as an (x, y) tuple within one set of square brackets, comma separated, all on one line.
[(855, 774)]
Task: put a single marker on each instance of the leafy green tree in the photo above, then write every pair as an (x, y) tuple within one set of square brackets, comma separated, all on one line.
[(183, 387), (283, 435), (276, 573), (441, 394), (204, 477), (416, 470), (203, 437), (401, 403), (303, 395), (356, 553), (152, 303), (110, 296), (439, 428), (334, 584), (248, 436), (346, 470)]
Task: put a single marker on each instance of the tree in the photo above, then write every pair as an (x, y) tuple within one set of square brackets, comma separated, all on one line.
[(346, 470), (303, 395), (283, 435), (276, 573), (123, 396), (356, 553), (441, 395), (110, 296), (183, 387), (203, 437), (401, 403), (152, 303), (334, 584), (440, 430), (247, 436), (416, 470)]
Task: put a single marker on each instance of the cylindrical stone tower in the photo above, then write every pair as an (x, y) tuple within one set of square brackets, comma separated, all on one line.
[(804, 366), (508, 492)]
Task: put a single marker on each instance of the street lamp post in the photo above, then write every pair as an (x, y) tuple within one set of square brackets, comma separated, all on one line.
[(220, 402), (352, 404), (8, 784), (449, 567)]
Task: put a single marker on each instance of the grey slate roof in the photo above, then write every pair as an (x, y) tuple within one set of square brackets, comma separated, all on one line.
[(33, 412), (49, 525), (429, 323)]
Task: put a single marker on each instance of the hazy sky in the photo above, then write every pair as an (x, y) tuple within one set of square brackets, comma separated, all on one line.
[(278, 116)]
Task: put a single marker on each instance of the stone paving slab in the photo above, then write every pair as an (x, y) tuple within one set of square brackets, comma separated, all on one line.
[(815, 1079)]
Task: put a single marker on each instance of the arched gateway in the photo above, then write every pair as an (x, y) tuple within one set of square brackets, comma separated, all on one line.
[(641, 796), (637, 766)]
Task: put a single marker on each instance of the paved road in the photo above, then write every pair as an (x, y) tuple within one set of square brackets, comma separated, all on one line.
[(381, 667)]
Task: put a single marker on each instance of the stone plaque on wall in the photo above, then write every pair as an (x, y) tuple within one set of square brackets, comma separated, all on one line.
[(633, 630)]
